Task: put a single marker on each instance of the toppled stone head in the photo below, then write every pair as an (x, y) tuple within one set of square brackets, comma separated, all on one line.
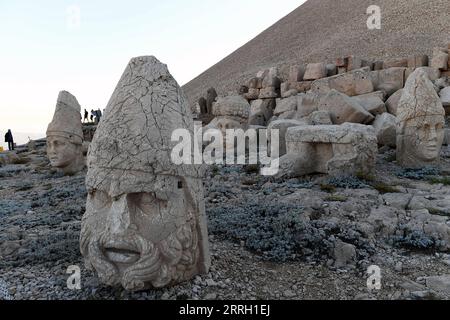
[(231, 112), (144, 225), (420, 123), (65, 135)]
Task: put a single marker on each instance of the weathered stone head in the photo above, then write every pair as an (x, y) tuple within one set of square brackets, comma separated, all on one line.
[(144, 225), (420, 123), (231, 112), (65, 135)]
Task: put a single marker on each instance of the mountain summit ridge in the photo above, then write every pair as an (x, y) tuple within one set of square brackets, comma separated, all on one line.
[(322, 30)]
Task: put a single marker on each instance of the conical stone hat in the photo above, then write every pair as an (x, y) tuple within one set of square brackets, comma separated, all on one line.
[(419, 98), (67, 119), (131, 150)]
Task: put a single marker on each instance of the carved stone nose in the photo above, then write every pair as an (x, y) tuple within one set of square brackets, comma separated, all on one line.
[(433, 134), (119, 215)]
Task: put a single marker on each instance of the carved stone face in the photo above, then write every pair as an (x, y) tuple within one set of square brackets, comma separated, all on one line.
[(424, 137), (225, 123), (62, 153), (142, 239)]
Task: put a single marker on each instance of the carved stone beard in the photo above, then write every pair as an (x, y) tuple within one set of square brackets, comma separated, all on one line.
[(164, 260), (159, 265)]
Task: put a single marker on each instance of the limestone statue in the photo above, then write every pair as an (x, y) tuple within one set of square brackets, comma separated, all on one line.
[(420, 123), (145, 224), (65, 135)]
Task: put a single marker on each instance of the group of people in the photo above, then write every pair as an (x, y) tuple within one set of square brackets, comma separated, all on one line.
[(95, 117)]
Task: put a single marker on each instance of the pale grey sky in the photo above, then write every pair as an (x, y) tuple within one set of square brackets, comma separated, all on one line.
[(84, 46)]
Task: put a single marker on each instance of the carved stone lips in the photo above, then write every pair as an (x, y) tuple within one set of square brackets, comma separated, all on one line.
[(121, 252)]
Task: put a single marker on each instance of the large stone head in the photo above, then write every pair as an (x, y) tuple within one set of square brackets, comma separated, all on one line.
[(145, 224), (65, 135), (231, 112), (420, 123)]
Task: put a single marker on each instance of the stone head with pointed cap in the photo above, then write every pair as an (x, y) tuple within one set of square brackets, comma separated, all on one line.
[(420, 123), (145, 224), (65, 135)]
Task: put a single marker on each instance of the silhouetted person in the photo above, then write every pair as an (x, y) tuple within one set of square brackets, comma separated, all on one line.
[(92, 115), (9, 138), (86, 116), (98, 115)]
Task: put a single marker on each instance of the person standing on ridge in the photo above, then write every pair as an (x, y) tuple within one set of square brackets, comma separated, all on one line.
[(9, 138), (86, 116), (99, 115)]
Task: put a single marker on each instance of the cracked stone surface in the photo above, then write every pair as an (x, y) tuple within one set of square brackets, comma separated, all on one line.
[(420, 122), (335, 150), (144, 225)]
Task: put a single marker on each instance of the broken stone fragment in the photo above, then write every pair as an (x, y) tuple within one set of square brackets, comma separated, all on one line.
[(315, 71), (440, 59), (261, 111), (378, 65), (307, 103), (283, 126), (354, 63), (353, 83), (342, 62), (371, 102), (432, 73), (286, 105), (384, 220), (344, 254), (392, 102), (335, 150), (252, 94), (393, 63), (271, 79), (302, 86), (440, 284), (211, 96), (331, 70), (343, 109), (203, 105), (269, 93), (286, 90), (255, 83), (386, 129), (418, 61), (296, 73), (320, 118), (388, 80), (243, 90), (445, 96)]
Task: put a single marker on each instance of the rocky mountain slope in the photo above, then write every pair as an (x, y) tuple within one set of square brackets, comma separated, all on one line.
[(322, 30)]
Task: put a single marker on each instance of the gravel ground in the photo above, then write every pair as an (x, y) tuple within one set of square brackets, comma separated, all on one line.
[(323, 30), (269, 239)]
